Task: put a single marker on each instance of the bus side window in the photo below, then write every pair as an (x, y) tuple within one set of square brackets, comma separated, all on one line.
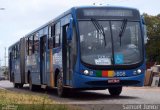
[(57, 34), (17, 51), (14, 52), (35, 43), (51, 36), (30, 45), (27, 43)]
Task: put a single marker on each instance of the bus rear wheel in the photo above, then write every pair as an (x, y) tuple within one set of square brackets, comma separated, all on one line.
[(115, 91), (15, 85), (20, 85), (60, 88)]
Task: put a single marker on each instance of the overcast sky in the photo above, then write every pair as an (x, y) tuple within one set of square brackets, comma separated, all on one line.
[(22, 16)]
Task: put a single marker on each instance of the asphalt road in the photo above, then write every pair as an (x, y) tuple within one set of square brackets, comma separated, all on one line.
[(129, 95)]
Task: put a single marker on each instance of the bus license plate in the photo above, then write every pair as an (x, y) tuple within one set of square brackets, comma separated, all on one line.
[(113, 81)]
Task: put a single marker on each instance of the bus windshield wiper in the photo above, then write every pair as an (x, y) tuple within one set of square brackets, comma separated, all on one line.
[(99, 28), (123, 27)]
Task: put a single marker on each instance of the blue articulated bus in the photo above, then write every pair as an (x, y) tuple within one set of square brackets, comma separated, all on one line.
[(96, 47)]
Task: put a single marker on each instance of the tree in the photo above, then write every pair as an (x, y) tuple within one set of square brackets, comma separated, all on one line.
[(153, 33)]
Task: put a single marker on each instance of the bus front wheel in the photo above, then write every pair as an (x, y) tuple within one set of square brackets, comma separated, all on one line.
[(60, 88), (115, 91)]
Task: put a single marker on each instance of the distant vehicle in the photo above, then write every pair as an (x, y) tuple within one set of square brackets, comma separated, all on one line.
[(84, 48)]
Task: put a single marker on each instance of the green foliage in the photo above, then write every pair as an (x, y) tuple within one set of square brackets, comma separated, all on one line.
[(153, 33)]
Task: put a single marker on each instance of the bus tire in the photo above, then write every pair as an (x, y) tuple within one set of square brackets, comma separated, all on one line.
[(20, 85), (115, 91), (15, 85), (60, 88)]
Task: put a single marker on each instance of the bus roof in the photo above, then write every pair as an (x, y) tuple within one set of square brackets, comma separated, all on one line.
[(71, 11), (78, 7), (14, 44)]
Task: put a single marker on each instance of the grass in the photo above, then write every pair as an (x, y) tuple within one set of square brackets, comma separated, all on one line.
[(21, 101), (9, 97)]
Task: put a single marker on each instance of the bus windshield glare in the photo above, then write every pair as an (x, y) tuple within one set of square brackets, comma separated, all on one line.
[(119, 50)]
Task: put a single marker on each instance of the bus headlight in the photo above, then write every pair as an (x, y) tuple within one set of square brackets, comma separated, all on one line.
[(139, 71), (86, 72)]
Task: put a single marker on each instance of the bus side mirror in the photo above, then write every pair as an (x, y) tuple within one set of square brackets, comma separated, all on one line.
[(143, 21), (69, 30)]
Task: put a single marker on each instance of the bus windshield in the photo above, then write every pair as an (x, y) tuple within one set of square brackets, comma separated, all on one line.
[(114, 49)]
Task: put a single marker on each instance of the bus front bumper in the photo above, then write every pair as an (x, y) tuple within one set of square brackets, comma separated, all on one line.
[(82, 81)]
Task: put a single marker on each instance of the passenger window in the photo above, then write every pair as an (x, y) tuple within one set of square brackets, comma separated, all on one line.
[(54, 35), (30, 45), (51, 36), (17, 51), (35, 43), (13, 52), (27, 45), (57, 34)]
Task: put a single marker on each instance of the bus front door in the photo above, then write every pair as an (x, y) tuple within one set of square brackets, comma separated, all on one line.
[(66, 58), (43, 44)]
